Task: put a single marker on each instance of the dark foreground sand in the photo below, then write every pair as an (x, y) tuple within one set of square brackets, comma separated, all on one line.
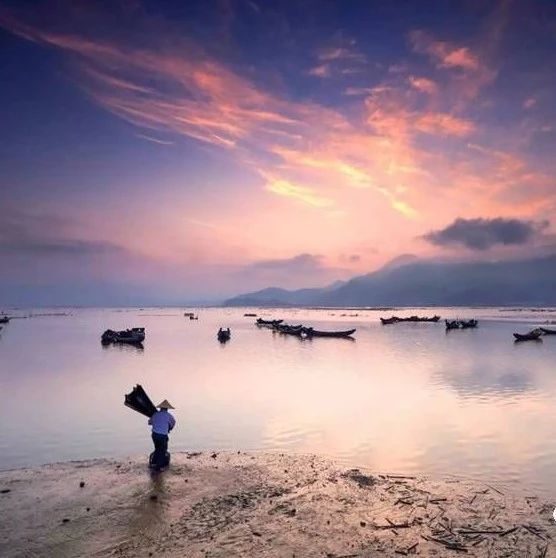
[(260, 505)]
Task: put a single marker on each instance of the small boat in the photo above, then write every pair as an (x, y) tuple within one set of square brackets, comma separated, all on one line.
[(547, 331), (418, 319), (4, 319), (260, 321), (249, 315), (192, 317), (133, 336), (288, 329), (468, 324), (452, 324), (224, 335), (188, 314), (310, 332), (395, 319), (533, 335)]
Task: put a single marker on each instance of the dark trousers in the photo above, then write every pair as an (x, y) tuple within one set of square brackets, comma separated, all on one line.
[(160, 448)]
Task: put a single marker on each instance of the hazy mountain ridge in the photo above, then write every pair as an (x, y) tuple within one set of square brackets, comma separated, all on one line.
[(425, 282)]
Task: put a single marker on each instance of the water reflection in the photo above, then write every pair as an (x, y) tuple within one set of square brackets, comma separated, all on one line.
[(130, 347), (405, 398)]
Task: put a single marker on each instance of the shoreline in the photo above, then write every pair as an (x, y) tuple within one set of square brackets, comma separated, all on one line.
[(259, 504)]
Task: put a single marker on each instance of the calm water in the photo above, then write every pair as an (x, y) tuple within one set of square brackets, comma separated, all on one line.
[(405, 398)]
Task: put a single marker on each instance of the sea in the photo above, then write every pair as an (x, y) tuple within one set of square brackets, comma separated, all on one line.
[(408, 398)]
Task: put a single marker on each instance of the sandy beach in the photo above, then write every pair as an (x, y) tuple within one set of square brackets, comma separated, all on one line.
[(243, 504)]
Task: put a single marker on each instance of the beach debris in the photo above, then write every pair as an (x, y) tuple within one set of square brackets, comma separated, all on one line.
[(66, 520), (358, 477), (5, 490), (81, 484)]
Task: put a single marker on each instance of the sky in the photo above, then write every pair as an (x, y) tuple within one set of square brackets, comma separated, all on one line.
[(177, 151)]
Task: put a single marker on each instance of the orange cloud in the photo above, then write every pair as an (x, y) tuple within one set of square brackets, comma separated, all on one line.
[(443, 124), (302, 193), (365, 160), (445, 55), (423, 84)]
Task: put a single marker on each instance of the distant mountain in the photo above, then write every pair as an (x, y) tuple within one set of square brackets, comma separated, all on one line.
[(529, 282)]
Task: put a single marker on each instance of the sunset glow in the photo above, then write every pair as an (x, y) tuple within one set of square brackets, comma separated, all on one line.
[(198, 151)]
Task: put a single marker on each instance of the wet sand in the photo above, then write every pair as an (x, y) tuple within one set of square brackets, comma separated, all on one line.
[(245, 504)]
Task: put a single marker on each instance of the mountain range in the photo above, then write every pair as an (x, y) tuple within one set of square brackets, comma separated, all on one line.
[(408, 281)]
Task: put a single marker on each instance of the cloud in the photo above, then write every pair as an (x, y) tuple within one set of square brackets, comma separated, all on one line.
[(40, 234), (155, 140), (301, 193), (444, 54), (482, 234), (296, 264), (423, 84), (322, 71)]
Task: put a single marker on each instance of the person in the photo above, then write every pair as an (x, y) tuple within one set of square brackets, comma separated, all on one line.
[(162, 423)]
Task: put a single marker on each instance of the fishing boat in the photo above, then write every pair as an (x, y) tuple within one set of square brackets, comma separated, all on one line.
[(310, 332), (452, 324), (262, 322), (396, 319), (533, 335), (224, 335), (419, 319), (468, 324), (133, 336), (289, 330), (547, 331)]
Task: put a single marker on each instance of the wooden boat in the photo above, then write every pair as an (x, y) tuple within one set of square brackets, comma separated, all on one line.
[(289, 329), (395, 319), (260, 321), (452, 324), (310, 332), (468, 324), (224, 335), (418, 319), (533, 335), (547, 331), (133, 336)]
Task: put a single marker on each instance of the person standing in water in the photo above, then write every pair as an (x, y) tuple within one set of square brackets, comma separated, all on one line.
[(162, 423)]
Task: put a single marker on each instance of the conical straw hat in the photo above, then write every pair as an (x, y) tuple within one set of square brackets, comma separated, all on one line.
[(165, 405)]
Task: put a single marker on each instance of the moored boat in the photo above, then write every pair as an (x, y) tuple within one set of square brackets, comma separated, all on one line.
[(310, 332), (4, 319), (548, 331), (133, 336), (288, 329), (388, 321), (452, 324), (262, 322), (396, 319), (224, 335), (467, 324), (249, 315), (533, 335)]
